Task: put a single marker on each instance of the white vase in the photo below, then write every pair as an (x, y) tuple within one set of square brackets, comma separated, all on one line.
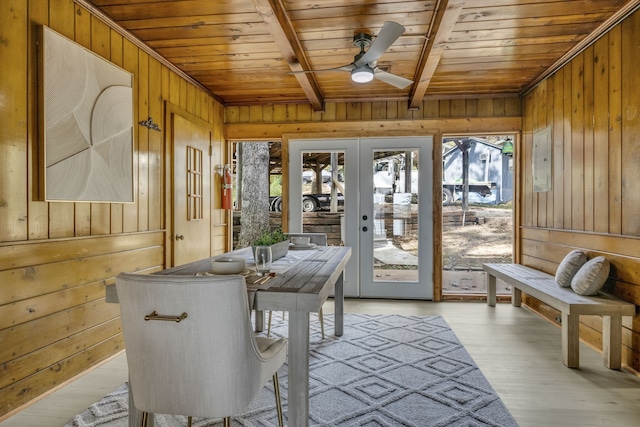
[(278, 250)]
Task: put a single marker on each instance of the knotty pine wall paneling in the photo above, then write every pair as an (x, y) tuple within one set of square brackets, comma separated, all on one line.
[(57, 258), (13, 132), (221, 219), (630, 122), (38, 217), (438, 109), (116, 53), (613, 99), (593, 106), (82, 36)]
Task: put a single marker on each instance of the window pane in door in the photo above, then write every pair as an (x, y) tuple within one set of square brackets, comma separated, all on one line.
[(395, 222), (323, 194)]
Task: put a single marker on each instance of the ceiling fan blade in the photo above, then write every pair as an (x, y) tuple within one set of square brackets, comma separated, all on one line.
[(392, 79), (388, 35), (347, 67)]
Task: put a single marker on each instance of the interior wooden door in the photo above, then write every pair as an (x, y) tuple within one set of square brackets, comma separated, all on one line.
[(191, 181)]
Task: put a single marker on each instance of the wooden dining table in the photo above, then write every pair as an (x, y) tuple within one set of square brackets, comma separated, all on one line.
[(303, 281)]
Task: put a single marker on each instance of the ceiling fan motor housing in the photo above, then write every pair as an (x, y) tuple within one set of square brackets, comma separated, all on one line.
[(362, 40)]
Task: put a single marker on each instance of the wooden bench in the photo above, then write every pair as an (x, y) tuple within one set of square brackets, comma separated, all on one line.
[(542, 286)]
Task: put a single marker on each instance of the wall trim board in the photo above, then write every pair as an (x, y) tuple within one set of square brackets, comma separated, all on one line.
[(274, 131), (34, 252), (38, 282), (600, 242)]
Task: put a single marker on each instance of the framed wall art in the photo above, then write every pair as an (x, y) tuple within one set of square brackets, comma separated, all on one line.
[(86, 129)]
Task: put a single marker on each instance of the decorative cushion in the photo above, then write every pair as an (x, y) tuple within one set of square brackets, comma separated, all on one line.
[(591, 276), (569, 267)]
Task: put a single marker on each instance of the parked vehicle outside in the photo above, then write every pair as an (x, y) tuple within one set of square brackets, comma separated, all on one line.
[(389, 178), (310, 202)]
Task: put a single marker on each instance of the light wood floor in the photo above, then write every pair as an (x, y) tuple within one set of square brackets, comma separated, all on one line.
[(516, 350)]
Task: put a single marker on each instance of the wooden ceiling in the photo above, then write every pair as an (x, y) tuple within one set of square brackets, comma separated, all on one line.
[(242, 51)]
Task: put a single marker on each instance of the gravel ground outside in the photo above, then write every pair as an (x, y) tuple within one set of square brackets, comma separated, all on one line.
[(465, 248), (490, 240)]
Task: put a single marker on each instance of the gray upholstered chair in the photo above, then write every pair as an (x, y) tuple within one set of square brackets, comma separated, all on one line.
[(190, 346), (319, 239)]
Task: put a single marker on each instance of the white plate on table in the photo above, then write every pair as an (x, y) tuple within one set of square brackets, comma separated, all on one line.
[(307, 246), (211, 273)]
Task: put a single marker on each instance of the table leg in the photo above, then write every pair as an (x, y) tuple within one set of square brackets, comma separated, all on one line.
[(259, 320), (338, 293), (298, 393)]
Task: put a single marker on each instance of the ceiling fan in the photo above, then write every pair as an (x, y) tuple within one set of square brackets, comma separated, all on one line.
[(364, 67)]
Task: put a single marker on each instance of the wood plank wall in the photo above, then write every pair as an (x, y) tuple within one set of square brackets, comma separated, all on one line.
[(593, 107), (56, 258), (377, 111)]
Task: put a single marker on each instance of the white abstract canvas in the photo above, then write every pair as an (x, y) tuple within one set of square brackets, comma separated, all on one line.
[(87, 124)]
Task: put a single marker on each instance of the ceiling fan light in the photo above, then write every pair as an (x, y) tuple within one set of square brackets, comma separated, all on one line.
[(362, 74)]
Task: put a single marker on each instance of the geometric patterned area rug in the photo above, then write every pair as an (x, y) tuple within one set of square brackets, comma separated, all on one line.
[(386, 370)]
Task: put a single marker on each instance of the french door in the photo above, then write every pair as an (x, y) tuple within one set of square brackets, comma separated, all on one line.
[(387, 212), (395, 218)]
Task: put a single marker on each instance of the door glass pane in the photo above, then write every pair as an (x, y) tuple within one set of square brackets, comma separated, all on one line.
[(194, 184), (323, 191), (395, 222)]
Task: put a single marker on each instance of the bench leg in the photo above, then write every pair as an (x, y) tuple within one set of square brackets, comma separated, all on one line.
[(491, 290), (516, 296), (612, 341), (571, 340)]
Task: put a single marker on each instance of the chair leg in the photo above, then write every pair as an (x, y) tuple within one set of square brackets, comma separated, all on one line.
[(143, 419), (276, 388), (227, 421), (321, 318), (189, 420), (269, 323)]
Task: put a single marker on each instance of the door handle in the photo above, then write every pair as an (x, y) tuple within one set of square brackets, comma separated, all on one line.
[(179, 237)]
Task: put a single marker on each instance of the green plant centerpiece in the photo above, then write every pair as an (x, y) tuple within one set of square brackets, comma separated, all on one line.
[(277, 239)]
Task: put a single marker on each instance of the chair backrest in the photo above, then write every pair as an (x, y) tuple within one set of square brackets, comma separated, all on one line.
[(206, 365), (319, 239)]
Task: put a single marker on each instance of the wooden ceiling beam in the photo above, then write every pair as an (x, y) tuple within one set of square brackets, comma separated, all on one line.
[(444, 20), (274, 15)]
